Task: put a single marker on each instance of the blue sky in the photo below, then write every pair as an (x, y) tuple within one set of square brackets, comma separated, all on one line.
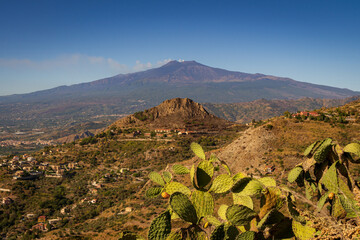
[(44, 44)]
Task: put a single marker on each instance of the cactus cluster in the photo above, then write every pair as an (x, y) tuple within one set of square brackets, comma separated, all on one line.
[(238, 220), (326, 178), (258, 206)]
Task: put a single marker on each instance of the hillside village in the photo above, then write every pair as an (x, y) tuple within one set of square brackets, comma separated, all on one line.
[(95, 186)]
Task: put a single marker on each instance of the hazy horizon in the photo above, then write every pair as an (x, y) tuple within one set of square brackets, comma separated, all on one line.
[(53, 43)]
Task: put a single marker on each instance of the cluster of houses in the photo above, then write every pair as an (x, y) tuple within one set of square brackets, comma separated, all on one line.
[(306, 114), (43, 224), (28, 168)]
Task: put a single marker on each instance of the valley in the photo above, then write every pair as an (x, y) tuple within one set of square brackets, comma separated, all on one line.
[(95, 187)]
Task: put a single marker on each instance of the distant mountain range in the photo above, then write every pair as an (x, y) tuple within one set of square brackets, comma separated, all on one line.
[(128, 93)]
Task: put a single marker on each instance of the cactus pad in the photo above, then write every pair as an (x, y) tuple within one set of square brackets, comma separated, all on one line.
[(238, 176), (268, 181), (222, 211), (337, 209), (247, 186), (180, 169), (330, 179), (160, 227), (323, 150), (203, 203), (213, 220), (244, 200), (175, 236), (303, 232), (353, 148), (322, 201), (222, 183), (153, 192), (295, 173), (204, 173), (308, 150), (177, 187), (167, 176), (183, 207), (239, 214), (198, 150), (156, 178)]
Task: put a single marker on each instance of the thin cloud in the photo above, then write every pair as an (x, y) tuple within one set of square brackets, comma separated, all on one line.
[(74, 60)]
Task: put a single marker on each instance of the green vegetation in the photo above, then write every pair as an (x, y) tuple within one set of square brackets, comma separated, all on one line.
[(256, 210)]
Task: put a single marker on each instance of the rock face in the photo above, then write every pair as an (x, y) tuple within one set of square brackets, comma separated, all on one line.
[(175, 113)]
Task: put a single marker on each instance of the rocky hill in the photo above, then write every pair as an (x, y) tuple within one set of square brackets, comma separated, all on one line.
[(177, 113)]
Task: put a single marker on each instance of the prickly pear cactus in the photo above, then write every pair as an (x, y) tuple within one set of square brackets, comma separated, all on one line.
[(247, 186), (156, 178), (204, 173), (203, 203), (222, 183), (244, 200), (167, 176), (180, 169), (303, 232), (295, 173), (173, 187), (249, 235), (160, 227), (330, 179), (218, 233), (239, 214), (153, 192), (353, 148), (222, 211), (323, 150), (198, 150), (183, 207)]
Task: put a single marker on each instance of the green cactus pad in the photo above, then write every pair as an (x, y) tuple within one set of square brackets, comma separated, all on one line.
[(322, 201), (204, 173), (248, 235), (344, 188), (247, 186), (244, 200), (295, 173), (198, 150), (309, 192), (337, 209), (353, 148), (303, 232), (183, 207), (350, 206), (267, 181), (238, 176), (153, 192), (177, 187), (167, 176), (156, 178), (203, 203), (330, 179), (160, 227), (239, 214), (218, 233), (308, 150), (180, 169), (222, 211), (323, 150), (272, 217), (175, 236), (222, 183), (231, 232), (213, 220)]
